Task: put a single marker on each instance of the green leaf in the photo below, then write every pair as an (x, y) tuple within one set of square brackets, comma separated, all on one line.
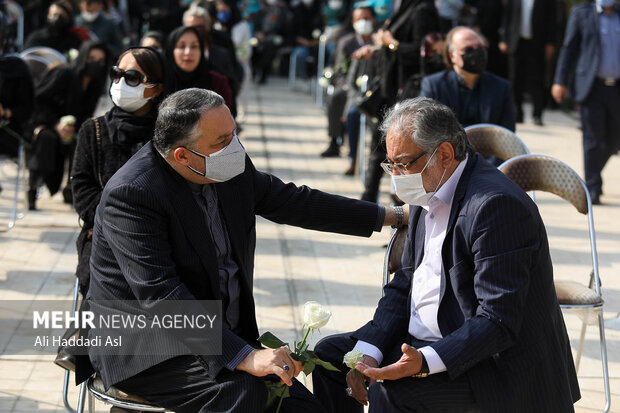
[(325, 364), (274, 391), (271, 341), (309, 367)]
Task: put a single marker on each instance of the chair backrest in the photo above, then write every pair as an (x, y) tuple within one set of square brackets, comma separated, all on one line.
[(37, 66), (47, 53), (495, 140), (544, 173), (394, 253)]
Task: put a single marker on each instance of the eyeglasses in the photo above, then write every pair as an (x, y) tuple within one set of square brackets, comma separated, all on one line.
[(132, 77), (390, 167)]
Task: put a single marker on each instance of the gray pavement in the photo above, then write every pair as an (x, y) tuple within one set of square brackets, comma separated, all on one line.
[(284, 132)]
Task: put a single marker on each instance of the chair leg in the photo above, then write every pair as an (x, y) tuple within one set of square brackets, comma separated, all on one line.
[(81, 399), (601, 326), (581, 340), (65, 392)]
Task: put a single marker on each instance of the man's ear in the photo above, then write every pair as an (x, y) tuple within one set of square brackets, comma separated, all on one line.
[(446, 154), (181, 155)]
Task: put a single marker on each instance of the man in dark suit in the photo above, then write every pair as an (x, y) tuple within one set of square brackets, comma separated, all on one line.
[(471, 321), (178, 222), (475, 95), (527, 36), (592, 47)]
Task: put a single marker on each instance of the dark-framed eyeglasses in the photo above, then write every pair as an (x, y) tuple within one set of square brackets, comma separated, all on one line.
[(390, 167), (132, 77)]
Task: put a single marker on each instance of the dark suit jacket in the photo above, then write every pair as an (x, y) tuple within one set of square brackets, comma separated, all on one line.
[(498, 311), (495, 96), (581, 50), (543, 23), (151, 243)]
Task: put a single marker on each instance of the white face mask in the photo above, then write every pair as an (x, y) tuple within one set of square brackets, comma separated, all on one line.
[(363, 27), (334, 4), (307, 2), (128, 98), (410, 188), (224, 164), (272, 2), (89, 17)]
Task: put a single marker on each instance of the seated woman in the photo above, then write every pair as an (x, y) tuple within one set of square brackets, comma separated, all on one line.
[(185, 54), (105, 143)]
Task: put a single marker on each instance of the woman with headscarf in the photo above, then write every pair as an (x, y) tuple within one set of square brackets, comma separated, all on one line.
[(68, 89), (185, 54)]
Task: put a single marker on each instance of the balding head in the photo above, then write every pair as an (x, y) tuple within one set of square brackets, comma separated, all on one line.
[(458, 40)]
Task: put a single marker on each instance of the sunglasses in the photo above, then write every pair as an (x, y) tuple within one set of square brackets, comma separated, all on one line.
[(132, 77)]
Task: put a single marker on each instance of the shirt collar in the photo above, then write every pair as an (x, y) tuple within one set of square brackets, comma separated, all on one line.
[(447, 190)]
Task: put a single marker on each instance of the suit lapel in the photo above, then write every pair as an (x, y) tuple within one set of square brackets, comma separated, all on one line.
[(194, 226)]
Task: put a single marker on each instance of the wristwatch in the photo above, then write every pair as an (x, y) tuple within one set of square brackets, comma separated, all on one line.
[(423, 370)]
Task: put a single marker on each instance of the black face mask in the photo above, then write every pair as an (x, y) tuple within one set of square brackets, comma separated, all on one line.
[(474, 60), (94, 69), (58, 24), (434, 64)]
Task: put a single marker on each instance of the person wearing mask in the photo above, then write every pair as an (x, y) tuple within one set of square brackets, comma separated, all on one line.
[(471, 321), (396, 55), (527, 36), (592, 44), (217, 57), (475, 95), (57, 32), (363, 21), (185, 54), (177, 223), (306, 27), (70, 89), (105, 143), (93, 18)]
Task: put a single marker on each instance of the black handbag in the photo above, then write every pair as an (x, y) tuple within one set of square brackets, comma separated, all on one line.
[(370, 102)]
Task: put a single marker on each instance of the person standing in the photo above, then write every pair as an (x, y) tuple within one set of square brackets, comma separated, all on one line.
[(528, 31), (592, 43)]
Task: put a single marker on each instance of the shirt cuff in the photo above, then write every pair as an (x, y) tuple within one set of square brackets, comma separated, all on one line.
[(435, 364), (380, 218), (232, 364), (369, 350)]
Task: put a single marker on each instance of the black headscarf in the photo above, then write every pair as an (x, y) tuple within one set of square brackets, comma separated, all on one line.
[(200, 77)]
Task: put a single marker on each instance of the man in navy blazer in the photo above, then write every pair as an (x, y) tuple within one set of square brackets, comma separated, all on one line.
[(475, 95), (178, 222), (471, 321), (592, 49)]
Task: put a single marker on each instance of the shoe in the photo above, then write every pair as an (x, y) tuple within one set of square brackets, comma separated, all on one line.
[(351, 170), (538, 121), (66, 361), (595, 197), (32, 199), (333, 151)]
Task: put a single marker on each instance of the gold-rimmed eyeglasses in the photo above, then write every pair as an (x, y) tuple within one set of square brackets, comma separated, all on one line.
[(390, 167)]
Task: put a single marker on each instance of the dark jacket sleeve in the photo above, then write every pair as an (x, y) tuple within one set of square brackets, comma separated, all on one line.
[(507, 109), (570, 48), (84, 180)]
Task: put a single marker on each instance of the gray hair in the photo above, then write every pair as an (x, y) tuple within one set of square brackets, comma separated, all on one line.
[(428, 123), (196, 11), (179, 114)]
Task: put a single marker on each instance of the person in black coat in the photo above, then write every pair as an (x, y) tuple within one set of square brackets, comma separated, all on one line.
[(57, 32), (16, 102), (105, 143), (70, 89)]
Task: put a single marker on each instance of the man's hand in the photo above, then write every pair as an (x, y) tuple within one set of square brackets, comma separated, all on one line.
[(503, 47), (363, 53), (260, 363), (409, 364), (549, 50), (355, 383), (559, 92)]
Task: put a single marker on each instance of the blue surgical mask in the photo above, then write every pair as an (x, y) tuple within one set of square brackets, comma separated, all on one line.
[(605, 3), (223, 16)]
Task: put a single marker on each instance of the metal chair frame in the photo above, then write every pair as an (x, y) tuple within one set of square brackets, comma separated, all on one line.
[(14, 214), (595, 281), (93, 394), (393, 253)]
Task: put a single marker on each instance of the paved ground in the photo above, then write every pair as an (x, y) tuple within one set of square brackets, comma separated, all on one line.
[(284, 132)]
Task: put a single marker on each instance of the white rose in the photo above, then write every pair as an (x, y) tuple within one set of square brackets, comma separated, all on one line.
[(352, 358), (315, 316)]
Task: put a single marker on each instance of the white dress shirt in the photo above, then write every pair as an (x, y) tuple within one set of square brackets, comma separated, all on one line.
[(427, 277)]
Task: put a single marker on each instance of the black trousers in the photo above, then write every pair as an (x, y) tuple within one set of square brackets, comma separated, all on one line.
[(335, 111), (436, 393), (600, 120), (527, 72), (374, 172), (181, 384)]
